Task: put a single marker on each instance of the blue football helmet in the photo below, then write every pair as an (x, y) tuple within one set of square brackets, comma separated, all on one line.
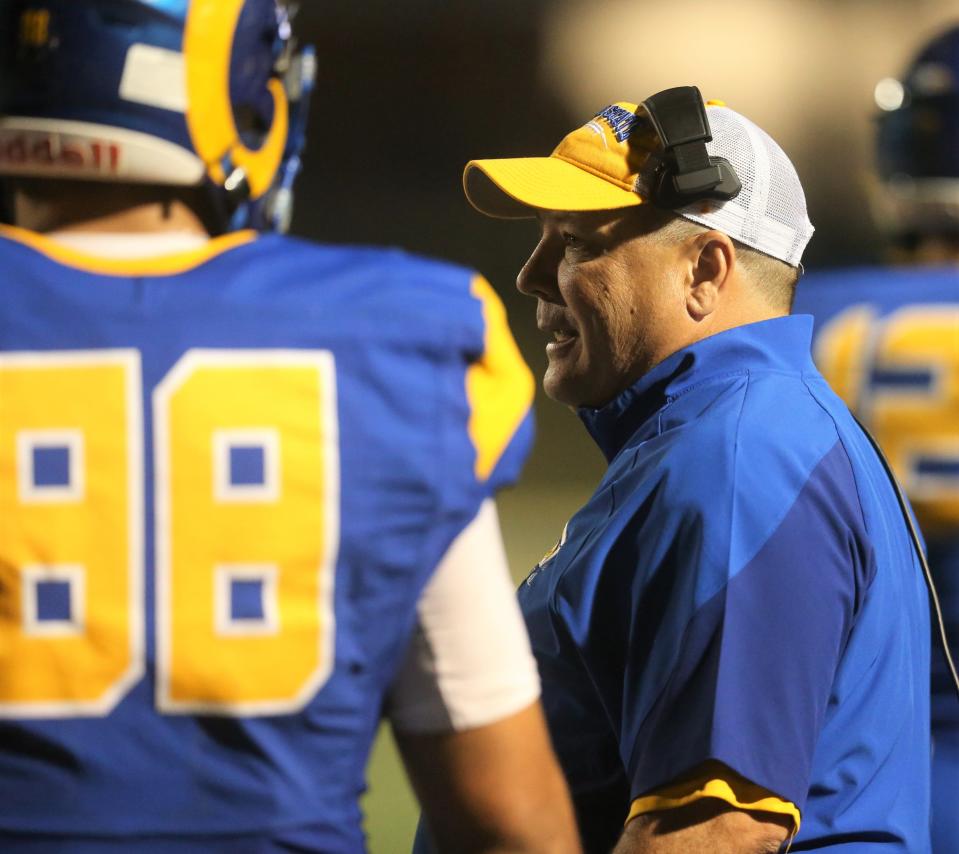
[(177, 92), (918, 141)]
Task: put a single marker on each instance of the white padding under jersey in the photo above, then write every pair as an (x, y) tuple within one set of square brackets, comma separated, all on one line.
[(469, 663), (130, 245)]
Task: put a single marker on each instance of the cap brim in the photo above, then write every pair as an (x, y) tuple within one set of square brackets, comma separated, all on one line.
[(515, 188)]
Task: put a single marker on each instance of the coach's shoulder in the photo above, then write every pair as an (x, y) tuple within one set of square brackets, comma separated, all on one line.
[(786, 414)]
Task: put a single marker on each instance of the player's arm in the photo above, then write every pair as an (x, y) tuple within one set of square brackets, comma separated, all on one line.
[(466, 714), (496, 788)]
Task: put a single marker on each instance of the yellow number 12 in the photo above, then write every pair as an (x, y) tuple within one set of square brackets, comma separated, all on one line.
[(916, 420)]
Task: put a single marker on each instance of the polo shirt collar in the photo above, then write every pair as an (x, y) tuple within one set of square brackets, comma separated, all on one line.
[(780, 344)]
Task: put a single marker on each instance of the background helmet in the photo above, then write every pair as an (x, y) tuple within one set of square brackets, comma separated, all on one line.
[(918, 141), (176, 92)]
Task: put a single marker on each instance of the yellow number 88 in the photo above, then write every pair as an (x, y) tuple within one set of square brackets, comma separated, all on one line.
[(71, 511)]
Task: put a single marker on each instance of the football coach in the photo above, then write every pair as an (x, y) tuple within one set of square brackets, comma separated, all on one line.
[(733, 632)]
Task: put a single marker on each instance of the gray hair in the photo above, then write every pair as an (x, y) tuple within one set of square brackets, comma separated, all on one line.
[(775, 279)]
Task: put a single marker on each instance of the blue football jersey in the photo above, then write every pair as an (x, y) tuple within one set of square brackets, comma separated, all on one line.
[(887, 340), (740, 593), (225, 478)]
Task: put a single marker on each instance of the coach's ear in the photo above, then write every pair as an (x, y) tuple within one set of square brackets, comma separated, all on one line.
[(711, 259)]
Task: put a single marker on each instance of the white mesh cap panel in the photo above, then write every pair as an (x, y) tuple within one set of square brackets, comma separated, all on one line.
[(769, 214)]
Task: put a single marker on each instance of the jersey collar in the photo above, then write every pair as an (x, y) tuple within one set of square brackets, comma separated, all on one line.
[(781, 344), (164, 265)]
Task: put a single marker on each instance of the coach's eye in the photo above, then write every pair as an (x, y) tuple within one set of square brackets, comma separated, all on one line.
[(576, 248)]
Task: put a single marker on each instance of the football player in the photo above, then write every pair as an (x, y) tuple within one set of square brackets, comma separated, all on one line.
[(888, 341), (245, 482)]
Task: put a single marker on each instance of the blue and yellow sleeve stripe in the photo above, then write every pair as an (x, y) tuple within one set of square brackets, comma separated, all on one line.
[(715, 780)]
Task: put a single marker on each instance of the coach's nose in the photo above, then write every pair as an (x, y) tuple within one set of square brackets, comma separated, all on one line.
[(538, 277)]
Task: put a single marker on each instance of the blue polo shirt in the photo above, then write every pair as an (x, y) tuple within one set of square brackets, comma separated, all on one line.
[(740, 592)]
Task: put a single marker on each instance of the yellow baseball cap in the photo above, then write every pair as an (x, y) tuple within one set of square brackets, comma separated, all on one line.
[(596, 167), (614, 160)]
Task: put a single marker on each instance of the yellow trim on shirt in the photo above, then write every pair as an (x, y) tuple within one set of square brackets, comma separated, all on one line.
[(162, 265), (735, 790), (499, 387)]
